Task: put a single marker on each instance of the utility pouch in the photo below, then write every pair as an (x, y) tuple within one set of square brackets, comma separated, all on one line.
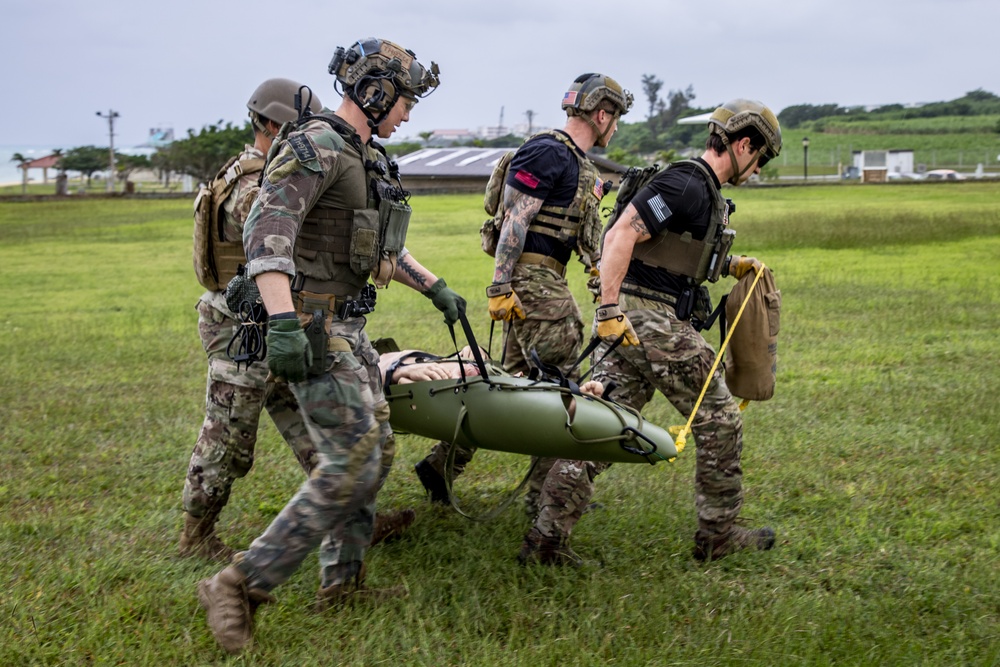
[(242, 292), (318, 339), (489, 237), (394, 218), (684, 305), (364, 249), (719, 254)]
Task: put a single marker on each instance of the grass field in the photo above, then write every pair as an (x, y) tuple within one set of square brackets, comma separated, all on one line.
[(876, 462)]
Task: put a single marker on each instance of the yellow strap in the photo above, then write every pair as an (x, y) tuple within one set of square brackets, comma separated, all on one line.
[(683, 431)]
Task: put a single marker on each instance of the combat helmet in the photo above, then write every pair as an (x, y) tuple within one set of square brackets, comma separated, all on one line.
[(374, 73), (739, 114), (277, 100), (587, 92)]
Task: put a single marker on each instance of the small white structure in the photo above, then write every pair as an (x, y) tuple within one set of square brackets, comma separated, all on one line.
[(875, 166)]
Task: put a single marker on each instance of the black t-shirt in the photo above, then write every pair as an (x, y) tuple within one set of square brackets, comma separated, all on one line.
[(676, 200), (546, 168)]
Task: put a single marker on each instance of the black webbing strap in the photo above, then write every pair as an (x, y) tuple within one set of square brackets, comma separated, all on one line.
[(477, 353), (594, 342)]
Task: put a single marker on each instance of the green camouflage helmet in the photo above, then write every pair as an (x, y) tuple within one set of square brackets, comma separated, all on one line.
[(589, 90), (275, 100), (737, 114), (375, 72)]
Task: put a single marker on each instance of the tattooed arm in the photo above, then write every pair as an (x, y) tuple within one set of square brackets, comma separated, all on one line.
[(618, 245), (520, 210), (413, 274)]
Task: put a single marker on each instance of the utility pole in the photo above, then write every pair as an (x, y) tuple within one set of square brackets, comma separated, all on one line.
[(531, 117), (111, 115), (500, 126)]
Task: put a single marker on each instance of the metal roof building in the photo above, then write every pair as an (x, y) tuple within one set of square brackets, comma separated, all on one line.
[(466, 168)]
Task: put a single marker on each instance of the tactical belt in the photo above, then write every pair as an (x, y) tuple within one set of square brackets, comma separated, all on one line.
[(308, 302), (647, 293), (336, 288), (534, 258)]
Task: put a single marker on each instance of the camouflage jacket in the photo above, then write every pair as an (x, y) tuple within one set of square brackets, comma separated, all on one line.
[(313, 166)]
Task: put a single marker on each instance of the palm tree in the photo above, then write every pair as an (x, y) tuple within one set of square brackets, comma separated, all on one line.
[(21, 161)]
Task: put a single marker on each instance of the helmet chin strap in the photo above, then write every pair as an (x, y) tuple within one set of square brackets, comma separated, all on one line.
[(737, 173), (259, 126), (601, 135)]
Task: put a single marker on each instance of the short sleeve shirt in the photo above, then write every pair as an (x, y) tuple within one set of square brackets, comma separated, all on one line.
[(677, 200), (545, 168)]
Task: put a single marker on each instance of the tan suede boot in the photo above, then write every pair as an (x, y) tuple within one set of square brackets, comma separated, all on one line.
[(230, 607), (389, 526), (199, 539), (353, 591), (709, 547)]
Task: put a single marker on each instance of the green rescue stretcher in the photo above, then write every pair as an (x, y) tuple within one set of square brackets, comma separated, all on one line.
[(542, 416)]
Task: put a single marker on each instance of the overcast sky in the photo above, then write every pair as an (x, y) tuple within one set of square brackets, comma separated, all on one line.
[(188, 63)]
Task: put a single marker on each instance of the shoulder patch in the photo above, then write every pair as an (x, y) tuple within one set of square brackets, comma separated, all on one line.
[(527, 179), (302, 147)]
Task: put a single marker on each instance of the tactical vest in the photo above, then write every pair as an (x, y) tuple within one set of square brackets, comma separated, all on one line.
[(337, 249), (216, 258), (682, 254), (578, 222)]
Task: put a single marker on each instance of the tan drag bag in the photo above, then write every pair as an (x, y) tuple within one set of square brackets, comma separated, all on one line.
[(752, 359)]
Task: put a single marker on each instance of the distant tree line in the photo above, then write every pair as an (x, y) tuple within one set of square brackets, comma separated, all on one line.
[(658, 137), (978, 102)]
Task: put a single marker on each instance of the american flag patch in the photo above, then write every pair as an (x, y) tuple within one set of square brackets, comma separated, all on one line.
[(528, 179), (659, 208), (570, 97), (599, 189)]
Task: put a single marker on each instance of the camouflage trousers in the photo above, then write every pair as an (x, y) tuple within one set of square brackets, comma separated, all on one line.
[(554, 329), (347, 417), (234, 398), (675, 359)]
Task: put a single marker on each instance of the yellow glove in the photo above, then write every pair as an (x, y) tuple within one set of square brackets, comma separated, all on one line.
[(504, 304), (738, 266), (612, 325)]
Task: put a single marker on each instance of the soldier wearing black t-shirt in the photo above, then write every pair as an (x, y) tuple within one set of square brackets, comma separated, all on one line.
[(551, 201), (647, 281)]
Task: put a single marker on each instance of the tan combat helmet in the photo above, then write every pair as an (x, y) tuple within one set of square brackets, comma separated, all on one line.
[(587, 92), (739, 114), (275, 100), (374, 73)]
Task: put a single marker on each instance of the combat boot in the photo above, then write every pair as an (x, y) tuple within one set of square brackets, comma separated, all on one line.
[(230, 607), (390, 526), (539, 548), (199, 539), (433, 482), (708, 547), (355, 590)]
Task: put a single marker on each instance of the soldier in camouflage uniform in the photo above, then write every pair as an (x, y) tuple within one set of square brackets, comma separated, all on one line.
[(647, 287), (235, 395), (328, 217), (551, 208)]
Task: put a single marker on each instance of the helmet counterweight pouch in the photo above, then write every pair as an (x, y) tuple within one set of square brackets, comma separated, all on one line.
[(493, 204)]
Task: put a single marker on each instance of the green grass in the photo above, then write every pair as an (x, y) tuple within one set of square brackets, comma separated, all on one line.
[(876, 461)]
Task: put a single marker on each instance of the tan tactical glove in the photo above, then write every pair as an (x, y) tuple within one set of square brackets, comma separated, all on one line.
[(612, 325), (504, 304), (738, 266)]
